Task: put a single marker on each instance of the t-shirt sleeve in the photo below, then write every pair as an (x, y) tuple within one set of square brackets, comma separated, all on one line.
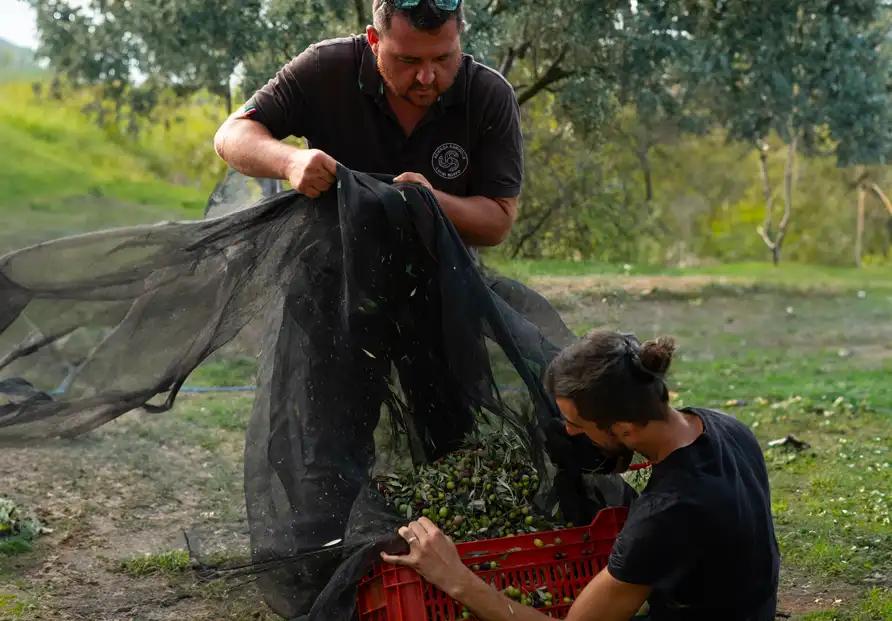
[(657, 544), (497, 169), (282, 105)]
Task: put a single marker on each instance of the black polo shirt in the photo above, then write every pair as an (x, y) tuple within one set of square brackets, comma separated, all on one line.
[(468, 144)]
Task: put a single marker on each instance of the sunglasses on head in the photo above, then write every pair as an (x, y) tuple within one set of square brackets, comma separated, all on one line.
[(443, 5)]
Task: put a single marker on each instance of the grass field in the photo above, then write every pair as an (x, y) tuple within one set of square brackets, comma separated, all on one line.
[(796, 350)]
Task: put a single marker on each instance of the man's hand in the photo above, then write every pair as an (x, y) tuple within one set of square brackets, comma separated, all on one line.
[(410, 177), (311, 172), (431, 553)]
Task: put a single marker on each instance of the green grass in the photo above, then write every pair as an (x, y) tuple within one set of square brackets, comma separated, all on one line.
[(876, 605), (765, 275), (167, 562), (235, 371), (61, 174)]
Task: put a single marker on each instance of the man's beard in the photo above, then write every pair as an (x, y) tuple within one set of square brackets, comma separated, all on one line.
[(431, 92)]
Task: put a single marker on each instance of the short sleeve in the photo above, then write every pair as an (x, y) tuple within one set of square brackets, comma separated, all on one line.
[(282, 105), (657, 545), (497, 167)]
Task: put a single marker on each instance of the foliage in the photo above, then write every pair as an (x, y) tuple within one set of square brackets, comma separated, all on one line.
[(17, 530), (63, 175), (196, 45), (806, 71), (638, 115)]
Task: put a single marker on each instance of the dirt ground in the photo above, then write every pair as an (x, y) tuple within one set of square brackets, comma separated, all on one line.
[(117, 497), (142, 484)]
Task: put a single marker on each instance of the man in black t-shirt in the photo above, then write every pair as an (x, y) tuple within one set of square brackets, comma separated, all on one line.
[(699, 542), (401, 99)]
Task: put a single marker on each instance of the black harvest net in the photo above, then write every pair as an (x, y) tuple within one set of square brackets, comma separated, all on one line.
[(384, 344)]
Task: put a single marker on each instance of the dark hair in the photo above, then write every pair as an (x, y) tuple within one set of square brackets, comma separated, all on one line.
[(612, 378), (425, 16)]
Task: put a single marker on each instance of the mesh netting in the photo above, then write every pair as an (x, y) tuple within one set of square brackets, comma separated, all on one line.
[(384, 344)]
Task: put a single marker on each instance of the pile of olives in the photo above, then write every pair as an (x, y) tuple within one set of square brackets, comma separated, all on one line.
[(483, 491)]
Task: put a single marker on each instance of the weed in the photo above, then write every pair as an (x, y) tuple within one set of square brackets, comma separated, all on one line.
[(167, 562)]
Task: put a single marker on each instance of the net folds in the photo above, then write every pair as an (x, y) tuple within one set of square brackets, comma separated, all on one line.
[(383, 343)]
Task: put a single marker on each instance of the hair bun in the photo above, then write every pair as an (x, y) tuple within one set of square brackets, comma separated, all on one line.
[(656, 355)]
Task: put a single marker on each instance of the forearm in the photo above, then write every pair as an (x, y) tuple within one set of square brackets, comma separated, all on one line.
[(603, 599), (479, 220), (488, 604), (248, 147)]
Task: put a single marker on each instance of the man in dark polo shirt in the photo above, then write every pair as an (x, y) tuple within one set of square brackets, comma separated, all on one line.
[(402, 99)]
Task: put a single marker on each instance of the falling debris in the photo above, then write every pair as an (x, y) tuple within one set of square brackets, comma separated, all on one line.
[(790, 442)]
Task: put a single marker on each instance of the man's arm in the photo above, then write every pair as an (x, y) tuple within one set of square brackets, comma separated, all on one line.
[(250, 148), (479, 220), (436, 558), (604, 599), (249, 140)]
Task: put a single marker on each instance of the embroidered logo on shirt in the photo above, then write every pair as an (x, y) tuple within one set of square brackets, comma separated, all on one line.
[(449, 160)]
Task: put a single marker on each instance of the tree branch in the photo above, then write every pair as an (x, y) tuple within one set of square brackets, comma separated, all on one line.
[(788, 198), (882, 196), (513, 54), (765, 229), (494, 7), (536, 227), (551, 75)]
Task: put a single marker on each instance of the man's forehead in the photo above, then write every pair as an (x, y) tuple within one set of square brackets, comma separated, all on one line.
[(408, 40)]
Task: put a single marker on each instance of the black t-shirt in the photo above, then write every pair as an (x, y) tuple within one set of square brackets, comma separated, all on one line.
[(701, 532), (468, 144)]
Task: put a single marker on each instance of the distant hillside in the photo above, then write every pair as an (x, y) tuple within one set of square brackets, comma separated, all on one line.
[(61, 174), (17, 63)]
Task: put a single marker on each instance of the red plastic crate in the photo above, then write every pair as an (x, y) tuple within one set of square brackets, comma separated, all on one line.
[(393, 593)]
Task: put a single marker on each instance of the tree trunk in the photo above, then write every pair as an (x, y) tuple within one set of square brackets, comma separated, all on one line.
[(361, 19), (765, 230), (643, 155), (859, 220)]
